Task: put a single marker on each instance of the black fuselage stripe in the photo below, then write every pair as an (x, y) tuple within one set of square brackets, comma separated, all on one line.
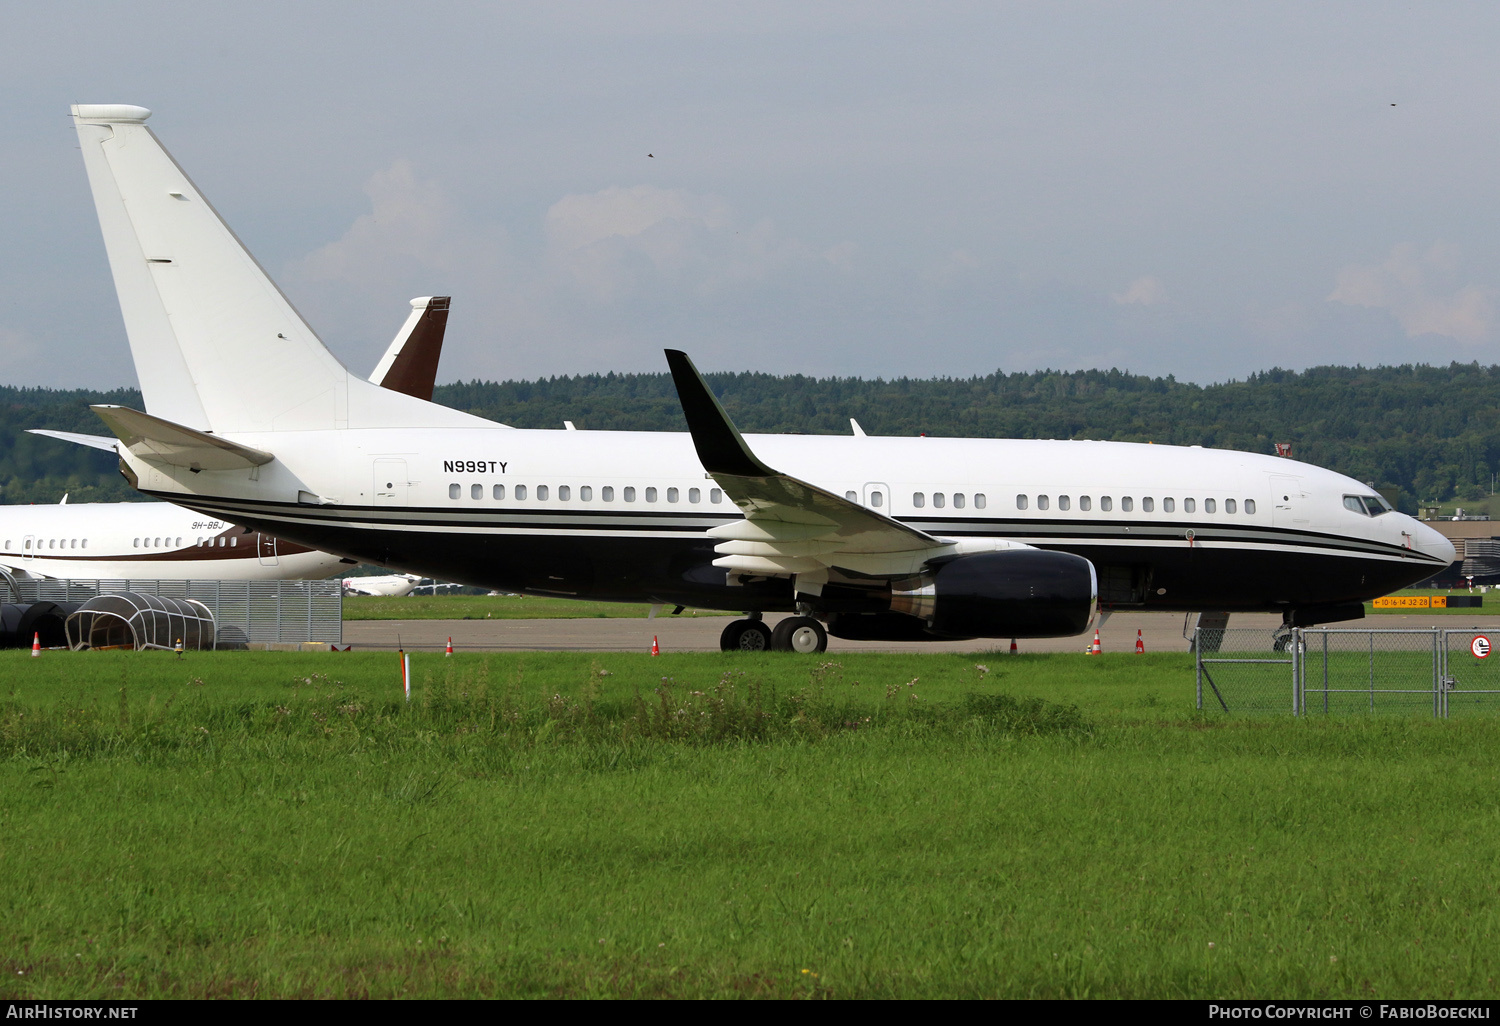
[(631, 522)]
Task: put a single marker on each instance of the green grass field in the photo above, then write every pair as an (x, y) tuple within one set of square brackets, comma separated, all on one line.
[(486, 607), (551, 824)]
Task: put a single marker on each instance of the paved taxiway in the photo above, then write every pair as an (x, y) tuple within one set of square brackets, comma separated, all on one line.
[(1161, 632)]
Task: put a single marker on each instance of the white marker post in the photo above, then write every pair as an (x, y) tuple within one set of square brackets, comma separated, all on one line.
[(405, 672)]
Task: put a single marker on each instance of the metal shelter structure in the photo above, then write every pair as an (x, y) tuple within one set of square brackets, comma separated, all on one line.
[(131, 620)]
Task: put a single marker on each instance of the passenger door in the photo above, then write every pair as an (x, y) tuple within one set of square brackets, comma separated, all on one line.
[(266, 544), (1288, 502), (390, 483)]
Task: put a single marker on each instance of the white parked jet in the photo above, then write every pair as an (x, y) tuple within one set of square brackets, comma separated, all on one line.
[(876, 537), (162, 541), (385, 585)]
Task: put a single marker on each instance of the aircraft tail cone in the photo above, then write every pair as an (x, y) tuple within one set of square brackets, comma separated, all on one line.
[(1140, 643), (36, 644), (449, 650), (1094, 649), (655, 646)]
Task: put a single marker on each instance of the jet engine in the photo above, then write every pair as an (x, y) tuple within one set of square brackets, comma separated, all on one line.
[(1016, 593)]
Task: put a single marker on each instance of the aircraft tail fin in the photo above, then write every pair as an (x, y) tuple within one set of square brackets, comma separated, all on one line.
[(217, 346)]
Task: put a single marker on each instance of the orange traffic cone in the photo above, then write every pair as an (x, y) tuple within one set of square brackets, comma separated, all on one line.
[(655, 648), (449, 650), (36, 644), (1094, 648), (1013, 648), (1140, 643)]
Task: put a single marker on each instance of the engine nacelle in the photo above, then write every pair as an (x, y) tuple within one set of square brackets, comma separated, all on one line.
[(1016, 593)]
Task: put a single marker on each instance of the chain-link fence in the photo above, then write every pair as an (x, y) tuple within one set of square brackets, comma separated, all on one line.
[(1336, 671), (244, 611)]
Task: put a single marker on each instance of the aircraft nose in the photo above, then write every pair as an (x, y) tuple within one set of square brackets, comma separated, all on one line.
[(1425, 539)]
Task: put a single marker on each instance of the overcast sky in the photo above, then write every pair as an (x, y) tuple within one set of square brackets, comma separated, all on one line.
[(856, 189)]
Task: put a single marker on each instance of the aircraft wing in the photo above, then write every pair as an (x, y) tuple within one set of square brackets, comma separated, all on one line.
[(104, 442), (791, 527), (162, 441)]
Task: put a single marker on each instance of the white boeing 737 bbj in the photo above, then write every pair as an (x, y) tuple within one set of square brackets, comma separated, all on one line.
[(251, 419)]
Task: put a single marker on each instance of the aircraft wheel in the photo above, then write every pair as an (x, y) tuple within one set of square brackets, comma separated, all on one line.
[(799, 634), (745, 636)]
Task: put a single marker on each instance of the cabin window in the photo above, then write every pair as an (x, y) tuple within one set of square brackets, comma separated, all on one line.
[(979, 500), (541, 493), (1106, 503), (607, 493), (958, 500), (1043, 502), (1085, 503), (520, 493), (1169, 505), (179, 543), (498, 491), (476, 491), (564, 493), (1127, 504), (86, 541), (223, 542), (1250, 506), (1229, 506), (51, 543), (1022, 502), (1148, 505), (672, 494), (629, 493), (1064, 502), (650, 494), (157, 543), (918, 499), (1189, 505), (137, 543), (585, 493), (7, 545), (1210, 506), (938, 500), (877, 499), (852, 496), (695, 495), (454, 491), (714, 495), (234, 543)]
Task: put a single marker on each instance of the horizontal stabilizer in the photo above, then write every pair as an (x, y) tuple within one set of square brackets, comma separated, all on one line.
[(161, 441), (106, 442)]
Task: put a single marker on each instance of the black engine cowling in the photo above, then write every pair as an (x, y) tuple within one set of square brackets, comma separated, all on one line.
[(1017, 593)]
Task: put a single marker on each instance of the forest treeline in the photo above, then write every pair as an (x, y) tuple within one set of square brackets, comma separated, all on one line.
[(1432, 432)]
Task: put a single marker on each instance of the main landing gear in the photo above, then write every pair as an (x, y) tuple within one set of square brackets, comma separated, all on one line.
[(794, 634)]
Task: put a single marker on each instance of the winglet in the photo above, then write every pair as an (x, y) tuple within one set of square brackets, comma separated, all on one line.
[(410, 364), (721, 450)]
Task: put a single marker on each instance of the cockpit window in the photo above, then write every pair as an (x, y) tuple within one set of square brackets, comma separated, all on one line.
[(1368, 505)]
